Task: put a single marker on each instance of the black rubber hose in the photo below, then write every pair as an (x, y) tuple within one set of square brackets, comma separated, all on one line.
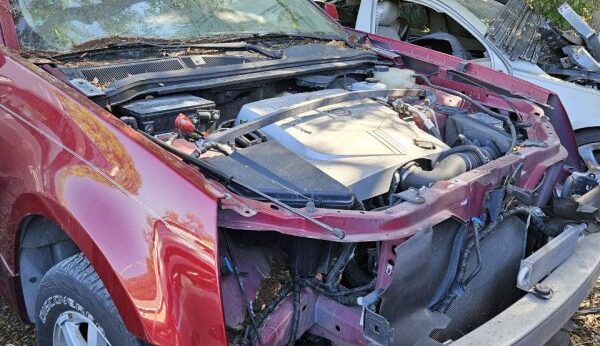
[(504, 118), (448, 168), (338, 266), (462, 268), (453, 264), (537, 222), (483, 154)]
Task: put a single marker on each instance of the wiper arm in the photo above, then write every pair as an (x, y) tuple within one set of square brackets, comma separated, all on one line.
[(236, 46), (303, 35), (274, 54)]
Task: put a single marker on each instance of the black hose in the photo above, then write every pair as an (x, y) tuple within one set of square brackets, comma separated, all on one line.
[(504, 118), (484, 155), (476, 242), (459, 281), (449, 164), (338, 266), (453, 263), (537, 222), (450, 167), (205, 167)]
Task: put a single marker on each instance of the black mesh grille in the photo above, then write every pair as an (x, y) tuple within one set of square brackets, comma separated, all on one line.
[(105, 75), (212, 61), (109, 74), (494, 288)]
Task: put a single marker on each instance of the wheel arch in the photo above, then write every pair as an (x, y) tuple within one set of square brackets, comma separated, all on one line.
[(587, 130), (61, 236)]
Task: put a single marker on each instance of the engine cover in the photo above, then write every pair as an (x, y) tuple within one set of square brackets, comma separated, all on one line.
[(360, 144)]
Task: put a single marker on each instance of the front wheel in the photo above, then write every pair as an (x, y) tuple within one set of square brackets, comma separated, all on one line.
[(588, 142), (73, 308)]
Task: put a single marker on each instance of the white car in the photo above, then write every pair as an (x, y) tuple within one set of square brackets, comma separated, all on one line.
[(462, 25)]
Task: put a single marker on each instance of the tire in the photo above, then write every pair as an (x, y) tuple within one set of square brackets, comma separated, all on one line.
[(588, 141), (72, 298)]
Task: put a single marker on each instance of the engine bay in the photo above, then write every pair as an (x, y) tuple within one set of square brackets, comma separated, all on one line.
[(332, 141), (358, 151)]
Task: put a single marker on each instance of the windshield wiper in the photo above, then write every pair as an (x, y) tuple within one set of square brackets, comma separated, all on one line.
[(299, 36), (109, 47)]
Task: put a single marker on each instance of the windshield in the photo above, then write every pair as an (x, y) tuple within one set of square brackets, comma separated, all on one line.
[(486, 10), (61, 25)]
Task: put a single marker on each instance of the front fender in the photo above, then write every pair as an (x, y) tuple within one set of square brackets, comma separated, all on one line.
[(145, 220), (159, 271)]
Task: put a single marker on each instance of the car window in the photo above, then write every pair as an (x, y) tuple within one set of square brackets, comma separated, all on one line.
[(426, 24), (62, 24), (486, 10), (416, 15)]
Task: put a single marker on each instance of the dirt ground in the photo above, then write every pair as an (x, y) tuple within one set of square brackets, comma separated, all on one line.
[(12, 330), (585, 326), (586, 323)]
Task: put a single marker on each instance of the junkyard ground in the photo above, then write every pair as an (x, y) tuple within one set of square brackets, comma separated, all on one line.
[(585, 327)]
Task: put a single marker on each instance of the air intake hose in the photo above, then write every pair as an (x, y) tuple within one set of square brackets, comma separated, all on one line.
[(454, 162)]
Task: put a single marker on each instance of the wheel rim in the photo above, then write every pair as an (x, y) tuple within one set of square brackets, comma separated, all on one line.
[(74, 329), (590, 153)]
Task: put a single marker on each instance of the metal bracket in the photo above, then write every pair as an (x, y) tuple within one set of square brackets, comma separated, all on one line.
[(411, 195), (378, 329)]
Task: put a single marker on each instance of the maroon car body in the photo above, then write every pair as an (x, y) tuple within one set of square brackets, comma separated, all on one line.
[(149, 223)]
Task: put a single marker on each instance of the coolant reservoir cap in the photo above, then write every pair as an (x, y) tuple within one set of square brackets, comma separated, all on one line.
[(381, 68)]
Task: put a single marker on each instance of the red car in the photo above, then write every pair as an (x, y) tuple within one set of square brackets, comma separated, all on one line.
[(230, 172)]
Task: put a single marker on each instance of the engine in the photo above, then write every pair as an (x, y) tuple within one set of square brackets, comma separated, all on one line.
[(359, 144), (340, 154)]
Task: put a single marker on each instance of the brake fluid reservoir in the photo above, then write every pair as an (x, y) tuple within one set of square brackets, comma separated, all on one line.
[(369, 84), (395, 78)]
